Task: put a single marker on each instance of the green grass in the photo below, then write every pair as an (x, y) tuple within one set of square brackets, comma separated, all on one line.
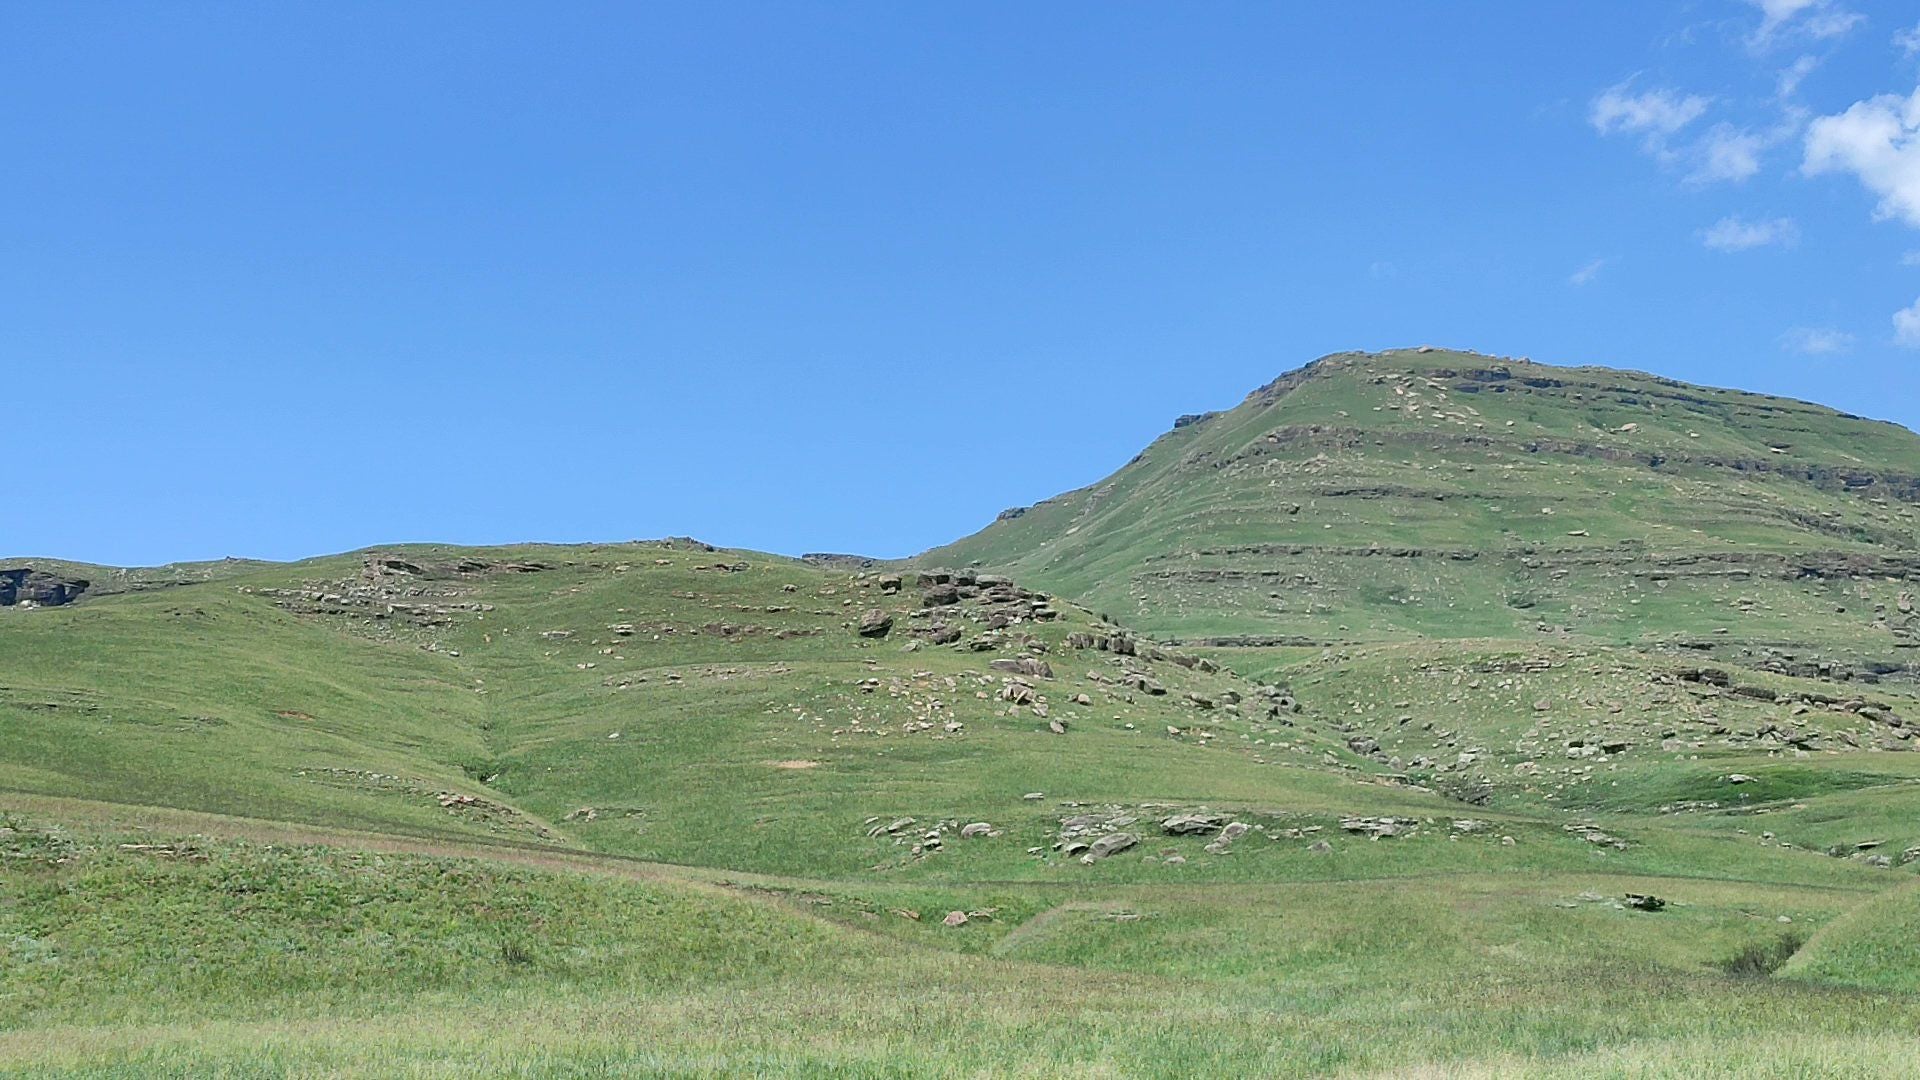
[(311, 959), (1875, 946), (1376, 498)]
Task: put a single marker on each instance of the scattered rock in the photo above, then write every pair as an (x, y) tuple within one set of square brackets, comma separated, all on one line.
[(1110, 844), (37, 589), (1192, 824), (1377, 828), (1592, 835)]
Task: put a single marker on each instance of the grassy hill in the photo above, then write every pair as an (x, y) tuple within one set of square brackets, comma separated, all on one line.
[(1361, 772), (1430, 493)]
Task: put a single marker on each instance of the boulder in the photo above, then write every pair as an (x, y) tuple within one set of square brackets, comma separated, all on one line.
[(1377, 828), (875, 624), (1023, 665), (1192, 824)]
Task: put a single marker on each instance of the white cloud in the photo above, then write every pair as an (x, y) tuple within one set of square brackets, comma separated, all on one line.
[(1833, 23), (1590, 271), (1655, 113), (1906, 325), (1878, 141), (1911, 258), (1659, 115), (1783, 18), (1791, 76), (1777, 13), (1727, 153), (1816, 341), (1731, 233), (1908, 40)]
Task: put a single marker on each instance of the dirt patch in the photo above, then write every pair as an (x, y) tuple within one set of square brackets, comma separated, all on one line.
[(797, 763)]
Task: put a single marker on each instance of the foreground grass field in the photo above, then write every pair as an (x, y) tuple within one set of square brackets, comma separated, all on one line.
[(320, 960)]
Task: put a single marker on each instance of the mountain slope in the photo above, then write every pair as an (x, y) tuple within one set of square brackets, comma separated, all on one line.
[(1435, 493)]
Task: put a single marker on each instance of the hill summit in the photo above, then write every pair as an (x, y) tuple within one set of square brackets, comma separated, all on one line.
[(1430, 492)]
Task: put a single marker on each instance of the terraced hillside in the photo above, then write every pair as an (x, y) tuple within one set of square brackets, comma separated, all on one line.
[(1427, 493), (664, 807)]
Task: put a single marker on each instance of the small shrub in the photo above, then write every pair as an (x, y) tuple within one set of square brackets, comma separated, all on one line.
[(1760, 959), (514, 952), (30, 845)]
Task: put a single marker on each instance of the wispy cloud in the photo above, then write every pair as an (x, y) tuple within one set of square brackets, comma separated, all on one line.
[(1816, 19), (1777, 13), (1878, 142), (1816, 341), (1657, 116), (1908, 40), (1587, 273), (1653, 113), (1906, 325), (1791, 76), (1911, 258), (1732, 233), (1727, 153)]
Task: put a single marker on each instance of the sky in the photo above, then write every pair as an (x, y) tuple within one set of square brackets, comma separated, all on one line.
[(285, 279)]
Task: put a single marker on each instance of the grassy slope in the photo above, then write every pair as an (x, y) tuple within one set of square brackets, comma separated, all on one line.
[(217, 697), (311, 959), (1528, 505), (1876, 946)]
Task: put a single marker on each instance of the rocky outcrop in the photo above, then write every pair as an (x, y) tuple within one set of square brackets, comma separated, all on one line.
[(25, 586)]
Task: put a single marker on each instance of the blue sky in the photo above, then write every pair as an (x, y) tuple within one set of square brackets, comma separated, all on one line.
[(283, 279)]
